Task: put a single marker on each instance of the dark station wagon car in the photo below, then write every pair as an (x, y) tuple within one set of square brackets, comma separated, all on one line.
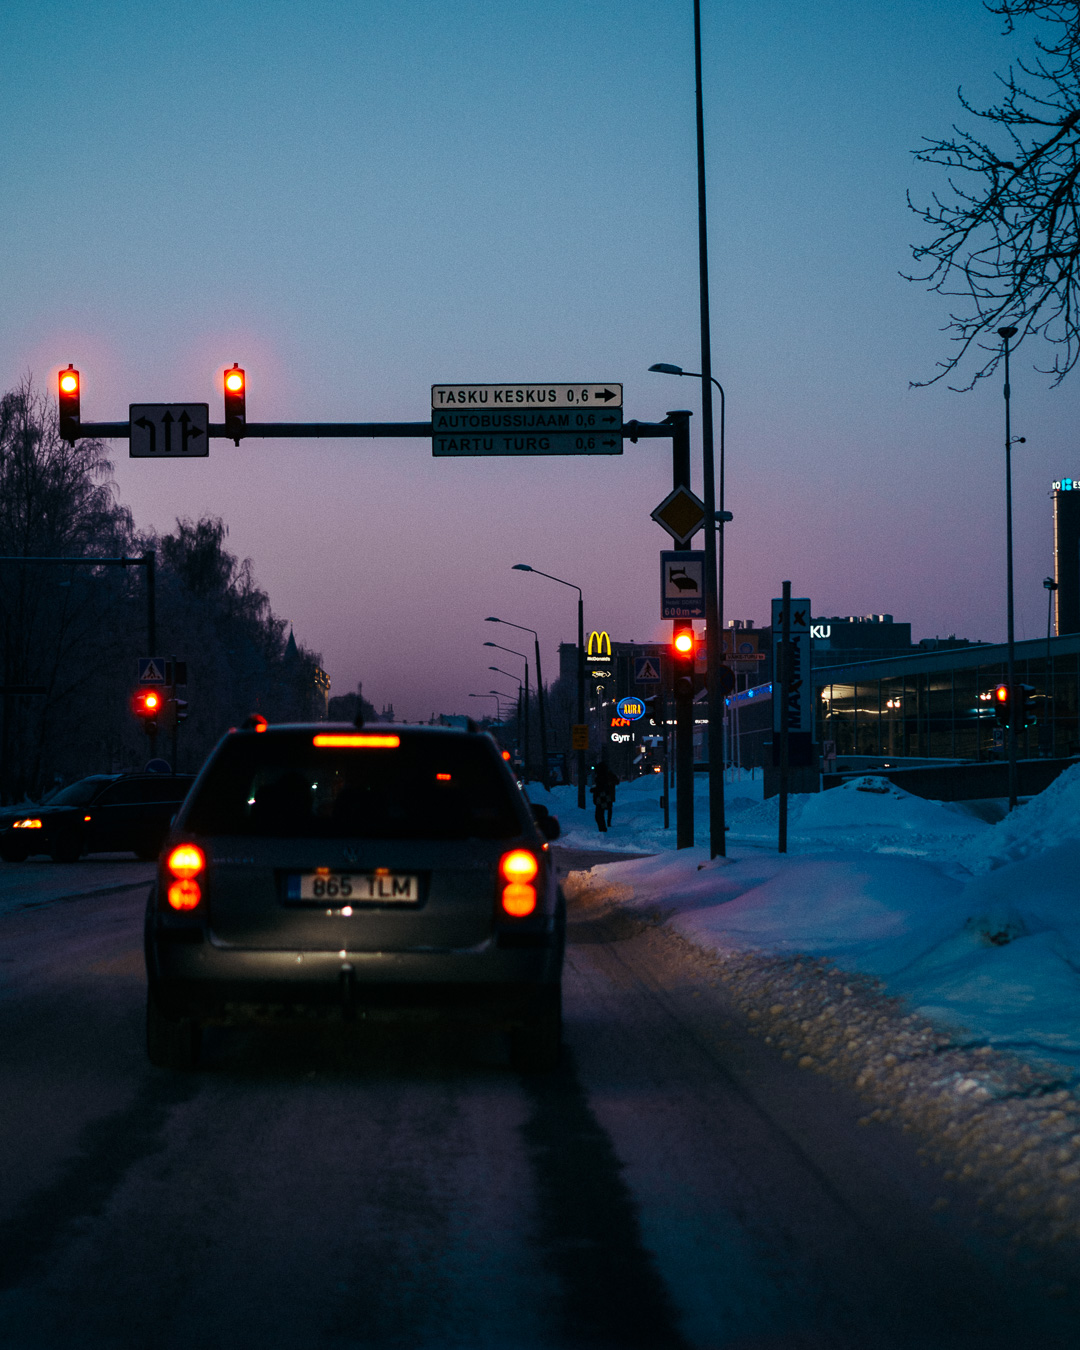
[(105, 813), (349, 870)]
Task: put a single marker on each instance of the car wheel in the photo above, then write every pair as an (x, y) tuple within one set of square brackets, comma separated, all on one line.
[(171, 1042), (535, 1044), (66, 849), (10, 851)]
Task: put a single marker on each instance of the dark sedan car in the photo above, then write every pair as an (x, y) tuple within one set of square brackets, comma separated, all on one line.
[(105, 813), (378, 871)]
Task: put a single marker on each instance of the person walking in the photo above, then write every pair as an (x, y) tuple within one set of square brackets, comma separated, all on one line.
[(603, 795)]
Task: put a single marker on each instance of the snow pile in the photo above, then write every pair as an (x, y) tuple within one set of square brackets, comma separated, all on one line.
[(996, 958), (1042, 822), (928, 958), (868, 813)]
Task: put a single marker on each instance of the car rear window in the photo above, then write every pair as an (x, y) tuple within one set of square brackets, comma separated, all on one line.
[(428, 787)]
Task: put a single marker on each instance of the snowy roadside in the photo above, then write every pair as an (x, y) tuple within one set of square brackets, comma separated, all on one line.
[(929, 959)]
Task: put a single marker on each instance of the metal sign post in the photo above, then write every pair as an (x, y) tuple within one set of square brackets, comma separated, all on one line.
[(793, 711)]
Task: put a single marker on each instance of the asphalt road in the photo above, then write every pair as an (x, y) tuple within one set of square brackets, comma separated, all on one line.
[(674, 1185)]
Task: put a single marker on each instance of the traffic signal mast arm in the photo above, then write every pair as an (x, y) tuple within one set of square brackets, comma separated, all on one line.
[(121, 431)]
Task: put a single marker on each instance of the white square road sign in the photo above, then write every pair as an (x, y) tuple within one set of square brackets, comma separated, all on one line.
[(169, 430), (800, 616)]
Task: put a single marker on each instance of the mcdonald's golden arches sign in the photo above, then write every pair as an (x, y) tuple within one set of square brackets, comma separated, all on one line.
[(598, 647)]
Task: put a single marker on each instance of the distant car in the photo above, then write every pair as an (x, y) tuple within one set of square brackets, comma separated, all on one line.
[(105, 813), (327, 867)]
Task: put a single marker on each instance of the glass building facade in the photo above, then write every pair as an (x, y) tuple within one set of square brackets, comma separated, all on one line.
[(938, 705)]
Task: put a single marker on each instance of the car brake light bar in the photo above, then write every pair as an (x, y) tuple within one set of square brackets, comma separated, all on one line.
[(354, 740)]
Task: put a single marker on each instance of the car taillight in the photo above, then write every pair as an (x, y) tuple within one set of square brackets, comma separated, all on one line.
[(185, 862), (518, 870)]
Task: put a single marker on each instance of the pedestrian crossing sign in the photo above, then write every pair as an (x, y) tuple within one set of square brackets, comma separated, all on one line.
[(646, 670), (151, 670)]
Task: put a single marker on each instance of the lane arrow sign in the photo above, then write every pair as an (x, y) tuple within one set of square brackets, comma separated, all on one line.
[(147, 425), (187, 431)]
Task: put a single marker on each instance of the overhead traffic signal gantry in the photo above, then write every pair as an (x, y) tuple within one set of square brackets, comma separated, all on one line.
[(235, 403), (68, 401)]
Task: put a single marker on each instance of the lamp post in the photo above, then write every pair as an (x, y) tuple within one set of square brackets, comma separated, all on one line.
[(713, 581), (714, 605), (520, 684), (1051, 586), (539, 692), (1005, 334), (501, 694), (528, 756), (582, 773)]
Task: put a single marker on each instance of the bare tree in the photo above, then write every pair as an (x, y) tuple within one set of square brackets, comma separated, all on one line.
[(57, 626), (1008, 237)]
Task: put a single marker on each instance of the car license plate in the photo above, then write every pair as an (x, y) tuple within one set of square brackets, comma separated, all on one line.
[(350, 888)]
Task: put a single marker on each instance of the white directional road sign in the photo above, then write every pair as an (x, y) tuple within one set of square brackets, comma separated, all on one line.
[(682, 584), (530, 443), (526, 419), (800, 707), (517, 396), (473, 421), (169, 430)]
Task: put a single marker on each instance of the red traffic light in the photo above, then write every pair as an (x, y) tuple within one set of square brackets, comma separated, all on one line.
[(682, 661), (1002, 704), (147, 703), (235, 402), (68, 402)]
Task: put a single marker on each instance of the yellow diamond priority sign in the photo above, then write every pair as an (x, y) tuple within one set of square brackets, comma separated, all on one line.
[(681, 513)]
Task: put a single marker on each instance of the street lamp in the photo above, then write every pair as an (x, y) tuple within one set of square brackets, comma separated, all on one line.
[(714, 592), (1051, 690), (1005, 334), (501, 694), (511, 676), (528, 757), (581, 770), (539, 691)]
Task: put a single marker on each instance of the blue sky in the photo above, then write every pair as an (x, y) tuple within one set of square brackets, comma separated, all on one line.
[(357, 202)]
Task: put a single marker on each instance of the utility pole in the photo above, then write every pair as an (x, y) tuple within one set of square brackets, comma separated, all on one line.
[(1005, 334), (784, 654)]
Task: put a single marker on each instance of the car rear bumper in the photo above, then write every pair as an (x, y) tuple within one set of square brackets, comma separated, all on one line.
[(212, 983)]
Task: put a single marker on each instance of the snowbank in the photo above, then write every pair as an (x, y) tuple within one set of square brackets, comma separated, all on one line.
[(1034, 827), (931, 959), (977, 926)]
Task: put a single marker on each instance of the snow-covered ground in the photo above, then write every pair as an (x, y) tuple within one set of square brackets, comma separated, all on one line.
[(915, 949), (976, 925)]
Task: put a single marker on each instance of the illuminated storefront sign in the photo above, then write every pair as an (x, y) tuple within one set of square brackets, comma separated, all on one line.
[(598, 647)]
